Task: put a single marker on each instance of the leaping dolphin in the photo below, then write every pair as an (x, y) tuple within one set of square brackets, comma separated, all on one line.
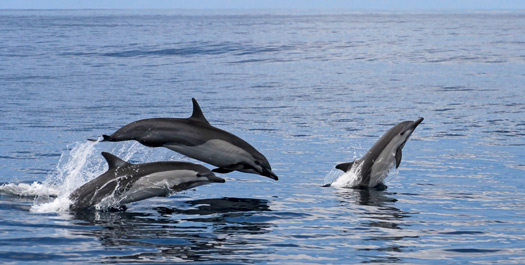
[(195, 137), (383, 155), (124, 182)]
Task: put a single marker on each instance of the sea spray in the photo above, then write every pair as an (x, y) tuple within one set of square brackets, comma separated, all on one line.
[(82, 163), (332, 176), (340, 179), (350, 178), (67, 175), (77, 166)]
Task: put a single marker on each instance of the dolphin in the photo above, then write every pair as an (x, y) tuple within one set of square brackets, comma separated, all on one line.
[(384, 154), (124, 182), (195, 137)]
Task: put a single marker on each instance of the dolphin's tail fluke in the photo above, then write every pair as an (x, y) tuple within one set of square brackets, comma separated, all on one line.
[(105, 138), (345, 166)]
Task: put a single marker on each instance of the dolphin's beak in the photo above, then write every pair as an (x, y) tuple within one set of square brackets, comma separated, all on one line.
[(415, 123), (411, 127), (268, 173)]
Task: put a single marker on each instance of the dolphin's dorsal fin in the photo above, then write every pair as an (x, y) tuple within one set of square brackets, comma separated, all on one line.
[(345, 166), (113, 161), (197, 112), (399, 155)]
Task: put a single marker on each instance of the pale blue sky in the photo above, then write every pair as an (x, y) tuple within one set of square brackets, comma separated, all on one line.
[(233, 4)]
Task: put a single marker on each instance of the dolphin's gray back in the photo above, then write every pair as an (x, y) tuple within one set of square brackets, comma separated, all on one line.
[(168, 132), (116, 181), (372, 155), (158, 131)]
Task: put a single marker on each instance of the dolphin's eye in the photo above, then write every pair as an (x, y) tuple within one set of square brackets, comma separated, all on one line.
[(257, 163), (403, 133)]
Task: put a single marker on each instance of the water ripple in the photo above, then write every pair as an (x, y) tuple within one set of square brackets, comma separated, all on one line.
[(309, 91)]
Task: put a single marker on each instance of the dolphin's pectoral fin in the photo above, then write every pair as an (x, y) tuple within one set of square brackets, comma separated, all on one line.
[(222, 170), (399, 155), (345, 166), (228, 169)]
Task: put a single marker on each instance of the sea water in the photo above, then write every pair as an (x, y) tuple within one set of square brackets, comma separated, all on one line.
[(309, 89)]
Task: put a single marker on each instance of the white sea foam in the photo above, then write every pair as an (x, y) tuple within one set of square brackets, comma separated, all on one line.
[(340, 179), (352, 177), (349, 179), (76, 166), (29, 190)]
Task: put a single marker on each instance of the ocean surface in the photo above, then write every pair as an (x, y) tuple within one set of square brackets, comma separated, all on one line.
[(309, 89)]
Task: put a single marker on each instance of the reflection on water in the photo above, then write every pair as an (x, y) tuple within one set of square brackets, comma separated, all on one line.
[(207, 230), (224, 205), (370, 197), (382, 224)]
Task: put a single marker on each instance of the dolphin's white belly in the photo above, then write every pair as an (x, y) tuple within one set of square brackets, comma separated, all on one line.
[(156, 184), (216, 152)]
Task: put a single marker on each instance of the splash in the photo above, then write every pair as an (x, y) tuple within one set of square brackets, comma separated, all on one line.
[(339, 179), (348, 179), (352, 177), (76, 166)]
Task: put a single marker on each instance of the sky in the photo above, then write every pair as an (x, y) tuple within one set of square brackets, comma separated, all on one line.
[(267, 4)]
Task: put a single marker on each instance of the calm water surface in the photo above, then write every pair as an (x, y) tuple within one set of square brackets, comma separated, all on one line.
[(309, 90)]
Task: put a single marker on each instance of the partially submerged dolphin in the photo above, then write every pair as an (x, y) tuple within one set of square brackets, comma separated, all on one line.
[(125, 182), (196, 138), (373, 167)]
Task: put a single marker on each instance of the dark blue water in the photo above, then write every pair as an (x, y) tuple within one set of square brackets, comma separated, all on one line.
[(309, 90)]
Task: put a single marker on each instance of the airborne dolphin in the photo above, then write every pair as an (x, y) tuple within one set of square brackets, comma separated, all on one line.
[(196, 138), (373, 167), (125, 182)]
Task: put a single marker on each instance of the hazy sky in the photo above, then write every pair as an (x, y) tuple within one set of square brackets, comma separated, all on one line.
[(232, 4)]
